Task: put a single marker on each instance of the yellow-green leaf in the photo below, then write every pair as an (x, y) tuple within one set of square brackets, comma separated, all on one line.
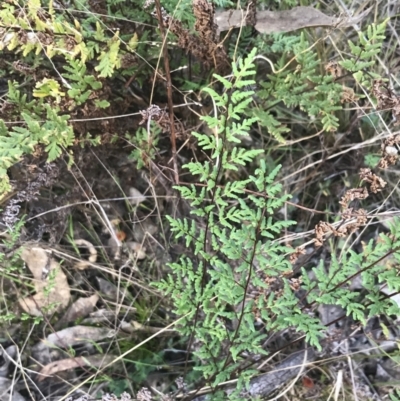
[(48, 87), (133, 42)]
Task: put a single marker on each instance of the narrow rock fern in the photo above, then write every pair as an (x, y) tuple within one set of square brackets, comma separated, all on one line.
[(236, 276), (235, 285)]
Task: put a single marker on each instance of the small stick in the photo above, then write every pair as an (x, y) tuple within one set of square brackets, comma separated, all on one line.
[(169, 91)]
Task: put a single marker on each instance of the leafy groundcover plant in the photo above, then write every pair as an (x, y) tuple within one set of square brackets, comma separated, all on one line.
[(239, 287)]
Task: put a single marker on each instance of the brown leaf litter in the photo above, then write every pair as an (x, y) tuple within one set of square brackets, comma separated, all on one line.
[(284, 21), (50, 282), (96, 361), (70, 337), (79, 309)]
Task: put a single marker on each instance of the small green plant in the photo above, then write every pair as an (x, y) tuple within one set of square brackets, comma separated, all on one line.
[(301, 86), (40, 94), (233, 234), (145, 145), (235, 250), (10, 265), (364, 52), (395, 396), (298, 81)]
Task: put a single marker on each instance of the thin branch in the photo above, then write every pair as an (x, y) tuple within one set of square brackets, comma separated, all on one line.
[(169, 90)]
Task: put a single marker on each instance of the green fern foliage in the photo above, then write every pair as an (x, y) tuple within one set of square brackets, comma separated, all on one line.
[(233, 236), (364, 52), (301, 83), (302, 86), (395, 396), (235, 250), (73, 58), (374, 263)]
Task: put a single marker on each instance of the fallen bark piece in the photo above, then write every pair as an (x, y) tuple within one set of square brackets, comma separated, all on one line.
[(267, 383), (284, 21)]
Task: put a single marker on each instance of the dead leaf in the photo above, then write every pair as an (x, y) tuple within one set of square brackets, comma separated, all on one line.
[(135, 197), (73, 363), (50, 283), (48, 349), (107, 288), (101, 317), (82, 265), (143, 229), (80, 308), (308, 382), (6, 356), (77, 335), (121, 235), (138, 249), (7, 392), (284, 21)]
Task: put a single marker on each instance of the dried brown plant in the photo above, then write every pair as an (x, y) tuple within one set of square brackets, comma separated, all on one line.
[(300, 250), (323, 228), (386, 98), (390, 152), (251, 12), (352, 194), (155, 113), (333, 68), (204, 25), (204, 46), (162, 119), (347, 227), (348, 94), (377, 183), (23, 68)]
